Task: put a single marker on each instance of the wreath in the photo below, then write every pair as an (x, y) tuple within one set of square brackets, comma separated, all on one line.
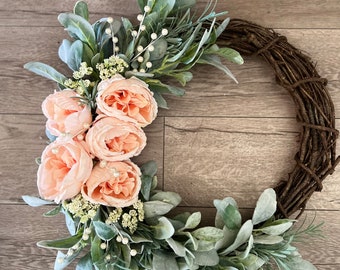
[(116, 216)]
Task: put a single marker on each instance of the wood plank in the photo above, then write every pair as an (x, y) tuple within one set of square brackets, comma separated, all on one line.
[(25, 226), (277, 14), (239, 157), (256, 95), (22, 139)]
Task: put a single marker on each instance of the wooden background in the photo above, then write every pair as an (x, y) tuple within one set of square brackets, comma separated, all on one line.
[(221, 139)]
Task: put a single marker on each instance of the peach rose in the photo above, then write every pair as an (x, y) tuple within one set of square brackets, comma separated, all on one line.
[(65, 166), (65, 114), (115, 184), (112, 139), (126, 99)]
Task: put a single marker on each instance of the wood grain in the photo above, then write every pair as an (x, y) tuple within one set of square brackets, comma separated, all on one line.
[(220, 139), (274, 13)]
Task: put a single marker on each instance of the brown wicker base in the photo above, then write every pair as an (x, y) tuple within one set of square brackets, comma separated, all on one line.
[(316, 158)]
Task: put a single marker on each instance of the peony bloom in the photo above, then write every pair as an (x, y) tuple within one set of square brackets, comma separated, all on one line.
[(65, 166), (65, 114), (112, 139), (114, 184), (126, 99)]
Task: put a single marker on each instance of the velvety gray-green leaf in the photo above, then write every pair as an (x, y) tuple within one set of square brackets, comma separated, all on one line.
[(265, 206), (149, 168), (156, 208), (207, 258), (46, 71), (81, 9), (78, 27), (177, 247), (96, 252), (64, 50), (75, 55), (268, 239), (162, 261), (242, 237), (167, 197), (164, 229), (85, 263), (35, 201), (161, 102), (208, 234), (64, 243), (53, 212), (193, 220), (104, 231)]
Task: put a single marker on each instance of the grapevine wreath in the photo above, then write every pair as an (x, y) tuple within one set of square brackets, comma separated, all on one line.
[(114, 212)]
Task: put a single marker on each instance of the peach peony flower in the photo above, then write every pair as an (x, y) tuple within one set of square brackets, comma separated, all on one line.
[(126, 99), (65, 114), (112, 139), (65, 166), (114, 184)]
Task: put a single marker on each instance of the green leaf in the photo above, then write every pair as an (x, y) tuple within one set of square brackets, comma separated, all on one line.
[(215, 61), (209, 233), (268, 239), (207, 258), (265, 206), (229, 237), (70, 224), (81, 9), (232, 217), (62, 261), (96, 252), (161, 102), (160, 87), (34, 201), (164, 229), (156, 208), (160, 49), (167, 197), (85, 263), (177, 247), (146, 186), (149, 168), (183, 77), (193, 220), (53, 212), (229, 54), (220, 29), (46, 71), (163, 8), (104, 231), (64, 243), (163, 261), (75, 55), (64, 50), (221, 206), (253, 262), (242, 237), (277, 229), (79, 28)]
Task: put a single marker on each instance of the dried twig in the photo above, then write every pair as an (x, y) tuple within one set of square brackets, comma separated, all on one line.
[(294, 70)]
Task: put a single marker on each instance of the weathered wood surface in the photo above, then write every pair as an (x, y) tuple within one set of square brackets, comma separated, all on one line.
[(221, 139)]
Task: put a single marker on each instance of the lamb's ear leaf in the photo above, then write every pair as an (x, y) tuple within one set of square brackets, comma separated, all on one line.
[(46, 71)]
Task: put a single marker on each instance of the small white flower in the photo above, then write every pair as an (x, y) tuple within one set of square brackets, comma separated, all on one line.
[(165, 31), (134, 33), (103, 246), (147, 9), (148, 64), (140, 59), (133, 252), (110, 20), (142, 70), (87, 231), (108, 31), (153, 36), (140, 48), (119, 239), (140, 17), (85, 237), (115, 40), (125, 241), (142, 27), (116, 49), (151, 48)]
